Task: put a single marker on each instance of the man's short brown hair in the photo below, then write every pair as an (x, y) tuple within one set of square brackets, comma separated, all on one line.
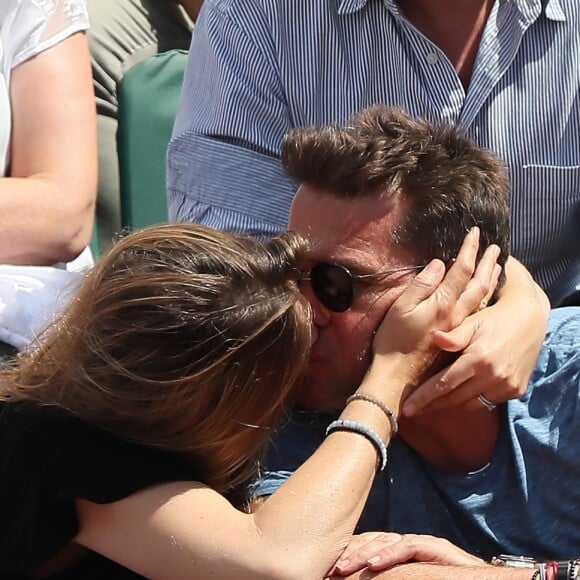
[(452, 183)]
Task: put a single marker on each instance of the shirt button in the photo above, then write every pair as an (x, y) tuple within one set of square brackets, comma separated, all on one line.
[(432, 58)]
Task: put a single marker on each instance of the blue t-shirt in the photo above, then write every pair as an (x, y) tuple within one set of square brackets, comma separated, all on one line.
[(525, 501)]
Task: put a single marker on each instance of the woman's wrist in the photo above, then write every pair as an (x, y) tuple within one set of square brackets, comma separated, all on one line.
[(392, 378)]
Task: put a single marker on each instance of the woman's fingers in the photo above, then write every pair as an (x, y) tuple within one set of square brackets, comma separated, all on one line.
[(466, 287), (458, 338), (481, 286), (422, 287), (432, 395), (456, 281), (408, 314), (433, 302), (435, 391), (434, 284)]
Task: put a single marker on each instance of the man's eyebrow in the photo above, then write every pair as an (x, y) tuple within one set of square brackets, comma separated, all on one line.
[(316, 253), (355, 267)]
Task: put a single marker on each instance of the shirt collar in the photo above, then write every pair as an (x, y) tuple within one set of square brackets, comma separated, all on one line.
[(350, 6), (552, 8), (554, 11), (532, 9)]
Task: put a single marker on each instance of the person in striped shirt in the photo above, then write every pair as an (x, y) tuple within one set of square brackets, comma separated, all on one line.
[(507, 72)]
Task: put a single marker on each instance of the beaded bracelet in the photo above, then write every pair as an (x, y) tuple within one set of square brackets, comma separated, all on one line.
[(356, 427), (384, 408)]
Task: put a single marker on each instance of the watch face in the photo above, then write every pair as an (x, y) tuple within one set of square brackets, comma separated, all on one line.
[(514, 561)]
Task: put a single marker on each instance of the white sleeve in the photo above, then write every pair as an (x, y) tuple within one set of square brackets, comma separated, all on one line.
[(48, 23)]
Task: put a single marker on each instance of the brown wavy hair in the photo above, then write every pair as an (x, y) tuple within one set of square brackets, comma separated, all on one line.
[(451, 182), (183, 338)]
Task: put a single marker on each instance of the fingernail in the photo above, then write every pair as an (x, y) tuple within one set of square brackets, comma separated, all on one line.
[(341, 564), (434, 266), (373, 560), (409, 409), (474, 231)]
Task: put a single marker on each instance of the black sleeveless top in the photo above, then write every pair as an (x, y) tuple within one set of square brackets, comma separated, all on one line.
[(48, 459)]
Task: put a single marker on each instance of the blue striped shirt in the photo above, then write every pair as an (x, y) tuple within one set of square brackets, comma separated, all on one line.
[(260, 67)]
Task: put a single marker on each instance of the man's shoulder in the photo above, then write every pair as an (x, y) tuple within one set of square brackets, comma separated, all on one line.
[(296, 439), (292, 444), (563, 333), (556, 378)]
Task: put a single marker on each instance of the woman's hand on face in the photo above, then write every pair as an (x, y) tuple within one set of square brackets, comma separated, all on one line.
[(436, 301), (497, 358), (381, 550)]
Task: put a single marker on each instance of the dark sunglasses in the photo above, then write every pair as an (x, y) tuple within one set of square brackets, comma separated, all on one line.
[(333, 284)]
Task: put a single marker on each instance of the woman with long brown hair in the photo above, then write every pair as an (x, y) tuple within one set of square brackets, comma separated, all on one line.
[(128, 435)]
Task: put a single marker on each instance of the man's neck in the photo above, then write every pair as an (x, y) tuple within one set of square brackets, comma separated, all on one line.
[(192, 7), (453, 440), (455, 26)]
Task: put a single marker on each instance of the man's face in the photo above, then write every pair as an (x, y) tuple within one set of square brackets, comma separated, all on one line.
[(358, 235)]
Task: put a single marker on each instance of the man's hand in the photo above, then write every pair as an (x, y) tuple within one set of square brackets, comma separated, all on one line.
[(383, 550), (423, 571), (381, 555)]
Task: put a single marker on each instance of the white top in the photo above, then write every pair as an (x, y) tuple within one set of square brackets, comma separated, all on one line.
[(27, 27)]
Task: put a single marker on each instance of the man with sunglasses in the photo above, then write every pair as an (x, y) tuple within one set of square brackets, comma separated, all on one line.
[(380, 198)]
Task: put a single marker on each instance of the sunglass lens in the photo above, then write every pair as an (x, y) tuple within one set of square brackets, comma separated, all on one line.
[(332, 285)]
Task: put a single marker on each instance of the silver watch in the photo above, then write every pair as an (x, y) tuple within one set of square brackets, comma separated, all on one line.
[(511, 561)]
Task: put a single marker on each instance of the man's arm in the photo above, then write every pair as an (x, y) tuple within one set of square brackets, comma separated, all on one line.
[(394, 556), (233, 111)]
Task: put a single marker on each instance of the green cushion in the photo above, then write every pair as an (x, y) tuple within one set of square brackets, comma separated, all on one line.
[(148, 100)]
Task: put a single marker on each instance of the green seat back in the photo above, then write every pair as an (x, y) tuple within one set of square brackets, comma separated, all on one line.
[(148, 100)]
